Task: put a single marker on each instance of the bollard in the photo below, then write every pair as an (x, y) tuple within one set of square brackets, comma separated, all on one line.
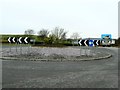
[(16, 47)]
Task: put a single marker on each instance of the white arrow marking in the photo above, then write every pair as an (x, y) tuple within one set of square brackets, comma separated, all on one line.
[(80, 42), (20, 40), (97, 42), (13, 39), (26, 39), (91, 42), (9, 39), (85, 43)]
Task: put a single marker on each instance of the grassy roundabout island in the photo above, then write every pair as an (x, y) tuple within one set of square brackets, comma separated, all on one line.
[(52, 54)]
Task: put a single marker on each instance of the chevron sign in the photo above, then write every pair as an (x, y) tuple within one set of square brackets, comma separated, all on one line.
[(12, 39), (90, 43), (84, 42), (20, 40)]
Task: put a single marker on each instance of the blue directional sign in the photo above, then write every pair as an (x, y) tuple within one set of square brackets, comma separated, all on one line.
[(106, 39), (104, 36), (91, 43)]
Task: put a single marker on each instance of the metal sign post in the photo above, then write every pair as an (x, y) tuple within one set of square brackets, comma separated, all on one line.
[(32, 41), (9, 40), (16, 47), (20, 49), (86, 50), (79, 42), (91, 44), (10, 46), (88, 43), (28, 48), (15, 40), (26, 41), (20, 44), (19, 41), (80, 50)]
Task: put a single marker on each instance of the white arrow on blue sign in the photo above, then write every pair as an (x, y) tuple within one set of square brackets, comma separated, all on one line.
[(91, 43)]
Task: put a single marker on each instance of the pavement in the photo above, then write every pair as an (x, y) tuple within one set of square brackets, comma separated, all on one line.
[(83, 74)]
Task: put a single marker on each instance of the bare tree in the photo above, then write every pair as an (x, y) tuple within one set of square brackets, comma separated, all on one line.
[(75, 35), (29, 32), (59, 33), (43, 33)]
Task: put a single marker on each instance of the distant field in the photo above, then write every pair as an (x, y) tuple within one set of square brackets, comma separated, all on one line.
[(8, 44)]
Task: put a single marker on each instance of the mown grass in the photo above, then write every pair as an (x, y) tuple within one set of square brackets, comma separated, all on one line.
[(8, 44)]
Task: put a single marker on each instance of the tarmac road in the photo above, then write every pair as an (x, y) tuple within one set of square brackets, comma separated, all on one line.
[(82, 74)]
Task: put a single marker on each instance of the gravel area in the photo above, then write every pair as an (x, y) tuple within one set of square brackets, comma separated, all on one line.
[(65, 53)]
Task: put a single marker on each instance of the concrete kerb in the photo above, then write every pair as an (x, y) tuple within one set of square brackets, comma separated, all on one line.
[(85, 59)]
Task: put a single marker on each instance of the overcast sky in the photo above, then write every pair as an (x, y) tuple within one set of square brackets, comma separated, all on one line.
[(90, 18)]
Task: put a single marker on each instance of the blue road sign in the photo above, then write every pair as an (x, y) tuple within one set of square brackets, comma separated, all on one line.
[(91, 43), (106, 39), (106, 36)]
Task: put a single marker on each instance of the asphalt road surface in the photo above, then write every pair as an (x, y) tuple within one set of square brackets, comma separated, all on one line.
[(82, 74)]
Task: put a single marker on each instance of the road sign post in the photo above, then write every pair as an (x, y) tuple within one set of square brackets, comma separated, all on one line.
[(15, 41), (28, 48), (20, 49), (106, 39), (10, 46), (80, 50), (16, 47), (88, 43), (9, 40), (79, 42), (91, 45), (19, 41)]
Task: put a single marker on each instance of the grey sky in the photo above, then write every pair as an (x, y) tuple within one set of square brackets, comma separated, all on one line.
[(90, 18)]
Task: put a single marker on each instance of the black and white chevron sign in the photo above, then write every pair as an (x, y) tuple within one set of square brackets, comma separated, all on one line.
[(24, 40), (83, 42), (89, 42), (20, 40), (12, 39), (97, 42)]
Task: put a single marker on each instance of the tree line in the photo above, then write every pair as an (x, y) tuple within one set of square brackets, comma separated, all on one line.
[(57, 36)]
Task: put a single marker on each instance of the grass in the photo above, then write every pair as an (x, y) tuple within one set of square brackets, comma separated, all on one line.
[(8, 44)]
